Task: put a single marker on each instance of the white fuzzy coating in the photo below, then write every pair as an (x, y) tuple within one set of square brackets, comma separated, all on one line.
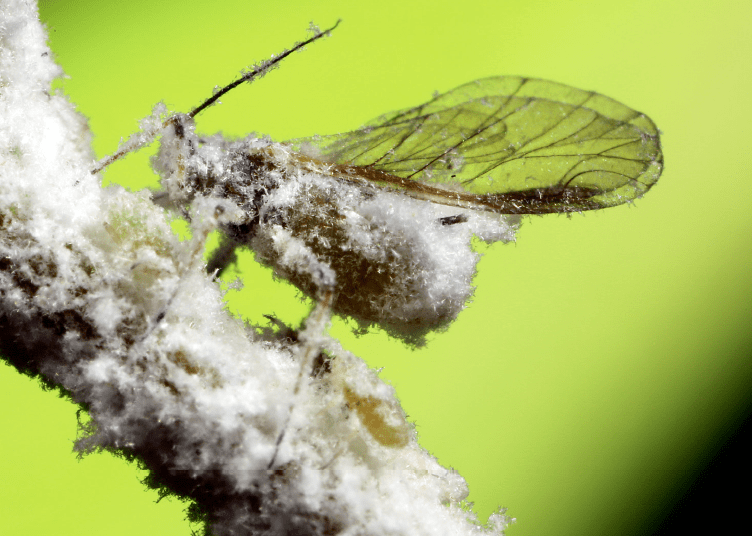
[(392, 260), (395, 263), (99, 298)]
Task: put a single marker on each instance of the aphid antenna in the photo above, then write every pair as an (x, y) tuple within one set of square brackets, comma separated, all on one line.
[(261, 69), (256, 71)]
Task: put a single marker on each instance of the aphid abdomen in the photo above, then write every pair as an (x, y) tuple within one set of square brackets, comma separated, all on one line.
[(395, 264)]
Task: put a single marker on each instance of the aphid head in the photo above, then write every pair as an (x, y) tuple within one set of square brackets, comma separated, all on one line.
[(175, 156)]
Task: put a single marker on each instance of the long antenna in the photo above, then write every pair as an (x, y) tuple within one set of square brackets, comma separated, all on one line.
[(140, 139), (260, 70)]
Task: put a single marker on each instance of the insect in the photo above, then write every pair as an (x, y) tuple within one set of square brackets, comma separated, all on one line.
[(504, 145), (375, 223)]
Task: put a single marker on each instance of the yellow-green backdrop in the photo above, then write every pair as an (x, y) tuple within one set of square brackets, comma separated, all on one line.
[(603, 355)]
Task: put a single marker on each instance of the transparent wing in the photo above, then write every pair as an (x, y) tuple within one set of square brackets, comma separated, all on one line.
[(506, 144)]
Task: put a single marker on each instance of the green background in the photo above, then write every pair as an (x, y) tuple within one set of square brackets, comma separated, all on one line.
[(604, 355)]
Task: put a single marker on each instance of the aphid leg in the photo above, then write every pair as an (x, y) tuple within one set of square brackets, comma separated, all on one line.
[(321, 363), (209, 214), (222, 257), (284, 332), (311, 339)]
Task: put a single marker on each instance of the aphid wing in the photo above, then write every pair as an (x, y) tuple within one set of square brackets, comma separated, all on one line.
[(513, 145)]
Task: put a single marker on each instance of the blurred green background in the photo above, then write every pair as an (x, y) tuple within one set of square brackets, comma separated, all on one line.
[(605, 357)]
